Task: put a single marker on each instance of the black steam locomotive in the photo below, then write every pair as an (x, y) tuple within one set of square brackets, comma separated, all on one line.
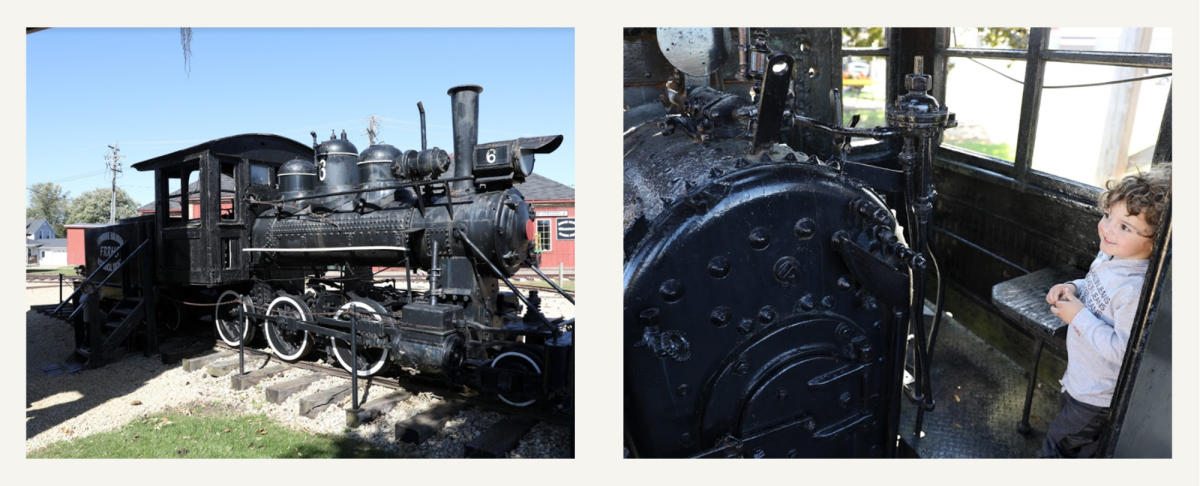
[(262, 232)]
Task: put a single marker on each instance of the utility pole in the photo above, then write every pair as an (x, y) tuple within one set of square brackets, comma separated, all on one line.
[(372, 128), (113, 163)]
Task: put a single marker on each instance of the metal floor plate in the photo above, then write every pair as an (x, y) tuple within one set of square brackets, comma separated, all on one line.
[(979, 394)]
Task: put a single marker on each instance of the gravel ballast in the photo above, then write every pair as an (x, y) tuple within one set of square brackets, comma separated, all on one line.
[(63, 405)]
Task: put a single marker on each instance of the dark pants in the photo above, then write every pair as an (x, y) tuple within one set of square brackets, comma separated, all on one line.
[(1076, 430)]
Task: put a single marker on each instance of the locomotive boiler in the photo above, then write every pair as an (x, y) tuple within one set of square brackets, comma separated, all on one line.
[(769, 280), (273, 236)]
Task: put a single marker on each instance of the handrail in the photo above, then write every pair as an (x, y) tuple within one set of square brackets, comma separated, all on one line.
[(110, 274), (551, 282), (89, 278)]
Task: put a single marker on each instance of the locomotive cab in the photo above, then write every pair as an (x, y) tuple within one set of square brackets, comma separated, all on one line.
[(201, 195)]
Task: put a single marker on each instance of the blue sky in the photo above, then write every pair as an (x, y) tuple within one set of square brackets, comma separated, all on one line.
[(90, 88)]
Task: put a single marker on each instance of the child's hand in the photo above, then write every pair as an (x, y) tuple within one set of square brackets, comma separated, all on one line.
[(1067, 308), (1060, 292)]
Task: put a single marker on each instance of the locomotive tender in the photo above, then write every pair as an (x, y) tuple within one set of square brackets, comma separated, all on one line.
[(248, 226)]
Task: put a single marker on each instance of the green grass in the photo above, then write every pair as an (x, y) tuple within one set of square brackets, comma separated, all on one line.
[(63, 270), (208, 434), (1000, 150)]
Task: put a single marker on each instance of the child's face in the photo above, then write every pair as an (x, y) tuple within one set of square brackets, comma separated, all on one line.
[(1125, 236)]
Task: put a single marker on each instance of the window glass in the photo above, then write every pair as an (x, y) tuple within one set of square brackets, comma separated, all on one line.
[(543, 235), (1113, 39), (985, 96), (864, 37), (864, 90), (228, 201), (1091, 134), (260, 174), (190, 198), (174, 182), (990, 37)]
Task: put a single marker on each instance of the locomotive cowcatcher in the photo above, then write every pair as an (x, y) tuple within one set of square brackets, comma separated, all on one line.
[(260, 232)]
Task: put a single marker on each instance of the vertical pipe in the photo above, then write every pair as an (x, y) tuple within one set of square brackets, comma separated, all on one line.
[(408, 276), (354, 359), (433, 275), (421, 109), (60, 284), (241, 342), (464, 111), (560, 273)]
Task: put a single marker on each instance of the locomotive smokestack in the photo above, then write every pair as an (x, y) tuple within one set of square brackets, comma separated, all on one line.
[(464, 109)]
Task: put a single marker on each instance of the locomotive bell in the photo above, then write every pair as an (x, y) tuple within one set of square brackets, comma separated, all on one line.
[(337, 171), (375, 170), (296, 179)]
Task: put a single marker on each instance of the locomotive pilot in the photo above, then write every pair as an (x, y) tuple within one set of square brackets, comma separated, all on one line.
[(1100, 309)]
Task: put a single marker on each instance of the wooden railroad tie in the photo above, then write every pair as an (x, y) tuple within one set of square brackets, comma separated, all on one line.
[(375, 408), (278, 392), (313, 404), (427, 424), (500, 438), (227, 366), (252, 377), (199, 362)]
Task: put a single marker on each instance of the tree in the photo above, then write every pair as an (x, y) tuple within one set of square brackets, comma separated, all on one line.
[(48, 201), (93, 206)]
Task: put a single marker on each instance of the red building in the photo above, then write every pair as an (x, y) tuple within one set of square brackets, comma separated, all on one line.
[(75, 241), (554, 221)]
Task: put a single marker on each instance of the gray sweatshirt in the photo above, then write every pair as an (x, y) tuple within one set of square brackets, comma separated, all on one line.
[(1097, 337)]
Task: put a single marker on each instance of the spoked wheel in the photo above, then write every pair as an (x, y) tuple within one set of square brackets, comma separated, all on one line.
[(288, 345), (225, 318), (369, 360), (515, 360)]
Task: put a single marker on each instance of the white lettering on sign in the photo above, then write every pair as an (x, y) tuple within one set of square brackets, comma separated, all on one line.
[(106, 245), (540, 213), (566, 228)]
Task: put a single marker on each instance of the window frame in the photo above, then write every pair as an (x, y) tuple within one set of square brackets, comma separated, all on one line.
[(1036, 57), (549, 234)]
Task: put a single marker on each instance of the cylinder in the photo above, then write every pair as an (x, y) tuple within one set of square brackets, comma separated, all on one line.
[(464, 111), (375, 171), (296, 179), (337, 171)]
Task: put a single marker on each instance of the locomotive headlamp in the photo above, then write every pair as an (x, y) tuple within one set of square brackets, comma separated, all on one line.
[(511, 159)]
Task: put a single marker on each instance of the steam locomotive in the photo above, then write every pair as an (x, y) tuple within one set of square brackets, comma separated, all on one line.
[(778, 257), (248, 228)]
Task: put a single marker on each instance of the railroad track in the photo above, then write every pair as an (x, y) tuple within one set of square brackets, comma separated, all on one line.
[(496, 441), (50, 277), (547, 290)]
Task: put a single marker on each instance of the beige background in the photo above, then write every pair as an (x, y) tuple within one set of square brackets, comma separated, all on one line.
[(598, 197)]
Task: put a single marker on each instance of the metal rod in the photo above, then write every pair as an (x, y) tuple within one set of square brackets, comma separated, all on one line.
[(551, 282), (877, 133), (433, 274), (60, 284), (421, 109), (359, 191), (408, 275), (500, 274), (241, 340), (93, 274), (354, 359), (1023, 427)]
